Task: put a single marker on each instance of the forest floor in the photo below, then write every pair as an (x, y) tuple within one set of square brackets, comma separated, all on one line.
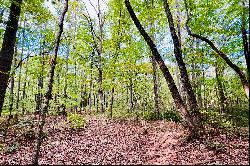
[(106, 141)]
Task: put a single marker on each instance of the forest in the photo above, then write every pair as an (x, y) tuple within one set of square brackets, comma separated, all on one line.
[(124, 82)]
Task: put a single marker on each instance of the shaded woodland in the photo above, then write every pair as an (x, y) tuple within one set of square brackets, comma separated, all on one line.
[(124, 82)]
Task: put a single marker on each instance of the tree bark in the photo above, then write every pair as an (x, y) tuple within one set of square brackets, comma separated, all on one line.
[(244, 37), (7, 50), (192, 102), (50, 85), (179, 37), (186, 119)]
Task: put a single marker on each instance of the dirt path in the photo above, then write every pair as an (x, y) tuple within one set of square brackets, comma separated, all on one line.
[(127, 142)]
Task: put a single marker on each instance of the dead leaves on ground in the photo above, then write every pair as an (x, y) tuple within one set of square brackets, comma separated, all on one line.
[(104, 141)]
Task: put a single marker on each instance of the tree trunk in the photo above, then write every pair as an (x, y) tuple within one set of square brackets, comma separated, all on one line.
[(117, 49), (131, 94), (186, 119), (57, 106), (40, 81), (50, 85), (65, 96), (229, 62), (192, 102), (179, 36), (154, 64), (100, 91), (111, 101), (220, 87), (7, 50), (24, 89), (94, 100), (244, 37), (91, 85), (18, 87), (20, 69), (100, 70), (12, 81)]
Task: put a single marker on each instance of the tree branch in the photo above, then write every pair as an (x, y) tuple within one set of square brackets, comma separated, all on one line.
[(220, 53)]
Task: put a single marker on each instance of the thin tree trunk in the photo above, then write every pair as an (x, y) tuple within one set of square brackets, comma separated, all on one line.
[(57, 106), (40, 81), (220, 88), (100, 91), (192, 102), (20, 69), (244, 37), (100, 70), (18, 87), (111, 102), (154, 64), (131, 97), (186, 119), (50, 85), (76, 87), (179, 37), (236, 68), (200, 83), (24, 89), (12, 81), (119, 34), (65, 96), (91, 84), (204, 89), (97, 103), (7, 50)]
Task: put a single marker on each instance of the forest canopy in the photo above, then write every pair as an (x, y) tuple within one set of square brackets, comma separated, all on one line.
[(178, 60)]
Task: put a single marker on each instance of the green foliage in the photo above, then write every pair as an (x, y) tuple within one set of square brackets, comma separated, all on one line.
[(232, 118), (168, 115), (123, 114), (125, 58), (150, 115), (239, 117), (77, 121), (171, 115)]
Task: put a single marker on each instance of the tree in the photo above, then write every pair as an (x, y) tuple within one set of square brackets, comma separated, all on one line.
[(236, 68), (182, 67), (7, 50), (187, 121), (48, 94)]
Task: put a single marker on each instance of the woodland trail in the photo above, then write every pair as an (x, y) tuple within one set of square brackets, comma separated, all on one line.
[(105, 141)]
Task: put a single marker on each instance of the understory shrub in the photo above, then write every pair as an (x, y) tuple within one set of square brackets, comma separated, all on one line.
[(76, 121), (168, 115), (228, 119)]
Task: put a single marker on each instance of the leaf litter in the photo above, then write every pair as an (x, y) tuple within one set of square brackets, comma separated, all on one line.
[(107, 141)]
